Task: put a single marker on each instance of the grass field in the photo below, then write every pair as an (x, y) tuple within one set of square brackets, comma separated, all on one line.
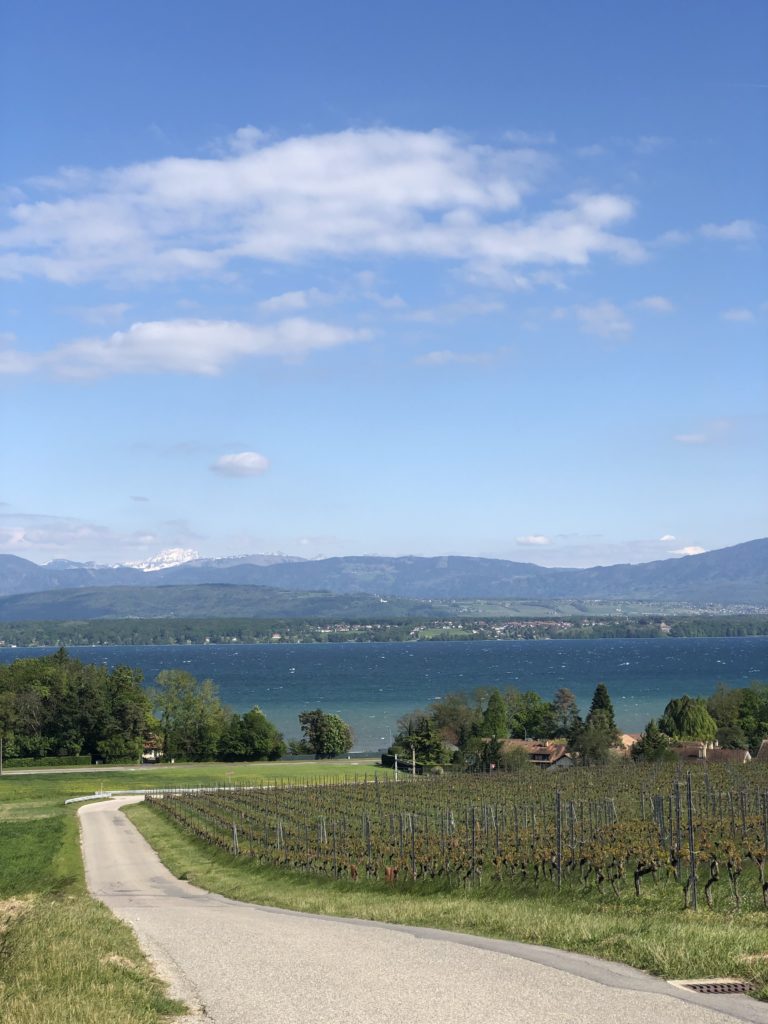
[(654, 934), (64, 958)]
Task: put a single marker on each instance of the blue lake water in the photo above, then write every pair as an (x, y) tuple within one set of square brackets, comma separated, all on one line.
[(370, 685)]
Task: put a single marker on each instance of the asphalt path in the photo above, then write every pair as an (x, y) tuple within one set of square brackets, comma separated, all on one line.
[(237, 963)]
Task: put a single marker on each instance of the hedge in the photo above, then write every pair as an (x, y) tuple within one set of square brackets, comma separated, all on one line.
[(46, 762)]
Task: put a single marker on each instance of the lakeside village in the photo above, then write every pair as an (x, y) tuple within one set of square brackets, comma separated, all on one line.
[(58, 710)]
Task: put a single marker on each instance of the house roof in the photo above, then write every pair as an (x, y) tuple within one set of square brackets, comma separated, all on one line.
[(539, 751), (691, 748), (762, 752), (726, 756)]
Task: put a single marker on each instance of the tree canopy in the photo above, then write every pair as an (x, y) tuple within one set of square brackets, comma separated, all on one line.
[(324, 735), (58, 706), (687, 718)]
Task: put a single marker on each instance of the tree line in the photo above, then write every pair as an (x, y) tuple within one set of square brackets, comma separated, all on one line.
[(469, 729), (58, 706)]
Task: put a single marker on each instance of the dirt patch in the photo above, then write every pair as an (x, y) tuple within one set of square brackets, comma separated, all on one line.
[(120, 961), (12, 909)]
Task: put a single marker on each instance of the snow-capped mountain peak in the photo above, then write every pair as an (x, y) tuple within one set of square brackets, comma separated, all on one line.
[(165, 560)]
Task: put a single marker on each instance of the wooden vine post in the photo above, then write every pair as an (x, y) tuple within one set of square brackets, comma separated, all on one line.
[(691, 846)]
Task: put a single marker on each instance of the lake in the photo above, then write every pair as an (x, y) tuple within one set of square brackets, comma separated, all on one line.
[(370, 685)]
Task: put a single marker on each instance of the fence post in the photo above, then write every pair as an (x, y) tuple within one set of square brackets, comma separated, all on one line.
[(559, 826), (691, 846)]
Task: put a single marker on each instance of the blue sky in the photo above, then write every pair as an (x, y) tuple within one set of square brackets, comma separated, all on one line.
[(433, 278)]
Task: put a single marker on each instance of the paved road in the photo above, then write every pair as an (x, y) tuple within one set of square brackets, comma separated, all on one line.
[(241, 964)]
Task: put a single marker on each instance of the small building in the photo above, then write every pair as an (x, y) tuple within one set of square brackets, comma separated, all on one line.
[(762, 752), (543, 753), (627, 740), (153, 750)]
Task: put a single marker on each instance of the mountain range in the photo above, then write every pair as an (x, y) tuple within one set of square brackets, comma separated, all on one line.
[(728, 576)]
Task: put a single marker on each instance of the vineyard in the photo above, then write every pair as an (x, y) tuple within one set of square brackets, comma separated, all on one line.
[(698, 835)]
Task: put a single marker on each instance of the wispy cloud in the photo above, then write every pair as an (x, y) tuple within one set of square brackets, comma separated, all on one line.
[(715, 430), (533, 540), (241, 464), (387, 192), (656, 304), (604, 319), (453, 311), (26, 533), (645, 145), (446, 357), (734, 231), (204, 347), (738, 315), (692, 549), (523, 138), (100, 315), (296, 300)]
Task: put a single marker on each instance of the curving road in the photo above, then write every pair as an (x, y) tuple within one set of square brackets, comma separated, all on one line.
[(237, 963)]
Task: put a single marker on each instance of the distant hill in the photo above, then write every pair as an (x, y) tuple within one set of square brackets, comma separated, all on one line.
[(211, 600), (734, 575)]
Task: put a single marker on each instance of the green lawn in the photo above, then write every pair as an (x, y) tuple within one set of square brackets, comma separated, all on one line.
[(652, 934), (64, 958)]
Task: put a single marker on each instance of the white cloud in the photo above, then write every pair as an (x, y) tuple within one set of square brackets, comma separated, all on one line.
[(591, 151), (533, 540), (690, 550), (656, 304), (667, 537), (735, 231), (246, 139), (738, 316), (181, 346), (241, 464), (603, 319), (296, 300), (386, 192)]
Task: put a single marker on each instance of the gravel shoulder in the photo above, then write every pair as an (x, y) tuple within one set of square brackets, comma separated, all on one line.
[(236, 963)]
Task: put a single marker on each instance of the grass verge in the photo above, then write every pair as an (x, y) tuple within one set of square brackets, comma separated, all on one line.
[(649, 934), (64, 958)]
